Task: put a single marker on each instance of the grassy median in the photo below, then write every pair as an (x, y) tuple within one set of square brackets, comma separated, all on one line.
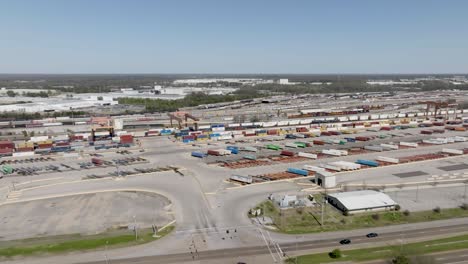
[(70, 243), (308, 220), (388, 252)]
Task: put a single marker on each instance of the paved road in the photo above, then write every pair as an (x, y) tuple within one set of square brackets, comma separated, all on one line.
[(289, 248)]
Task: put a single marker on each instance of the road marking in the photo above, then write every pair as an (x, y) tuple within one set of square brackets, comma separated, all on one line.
[(82, 193), (48, 179)]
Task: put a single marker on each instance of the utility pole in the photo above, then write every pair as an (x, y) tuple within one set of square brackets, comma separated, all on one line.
[(135, 226), (323, 210), (417, 192), (464, 193), (107, 259)]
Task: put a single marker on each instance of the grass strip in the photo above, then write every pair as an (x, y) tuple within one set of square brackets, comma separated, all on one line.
[(80, 243), (387, 252)]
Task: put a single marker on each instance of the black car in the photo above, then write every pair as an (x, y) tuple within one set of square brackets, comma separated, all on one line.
[(372, 235), (345, 242)]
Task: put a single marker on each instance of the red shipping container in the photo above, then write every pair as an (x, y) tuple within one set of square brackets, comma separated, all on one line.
[(362, 138), (287, 153), (426, 132), (213, 152), (6, 150), (318, 142), (62, 144), (42, 146), (25, 149), (301, 129), (386, 128), (7, 145), (325, 133), (272, 132)]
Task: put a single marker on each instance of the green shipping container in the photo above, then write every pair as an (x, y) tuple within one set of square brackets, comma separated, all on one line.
[(300, 144), (250, 157)]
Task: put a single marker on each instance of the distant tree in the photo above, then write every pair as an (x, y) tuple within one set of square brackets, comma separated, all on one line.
[(437, 210), (336, 253), (11, 93), (401, 259), (254, 118)]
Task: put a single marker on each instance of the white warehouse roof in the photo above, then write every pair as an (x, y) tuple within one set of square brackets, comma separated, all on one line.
[(361, 200)]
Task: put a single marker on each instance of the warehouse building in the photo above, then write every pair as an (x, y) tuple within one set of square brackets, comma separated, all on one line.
[(361, 201)]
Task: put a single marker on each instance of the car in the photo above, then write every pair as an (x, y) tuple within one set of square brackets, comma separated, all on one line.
[(345, 241), (372, 235)]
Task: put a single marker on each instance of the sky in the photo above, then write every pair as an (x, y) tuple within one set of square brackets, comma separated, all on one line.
[(233, 36)]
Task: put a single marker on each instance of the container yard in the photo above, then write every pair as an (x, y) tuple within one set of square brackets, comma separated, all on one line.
[(331, 148)]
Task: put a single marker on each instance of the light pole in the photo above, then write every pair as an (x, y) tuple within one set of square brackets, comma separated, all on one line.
[(107, 259), (464, 193), (135, 226)]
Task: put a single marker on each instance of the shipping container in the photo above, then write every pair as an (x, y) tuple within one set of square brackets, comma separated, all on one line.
[(287, 153), (369, 163), (250, 149), (307, 155), (250, 157), (387, 159), (198, 154), (298, 171), (242, 179)]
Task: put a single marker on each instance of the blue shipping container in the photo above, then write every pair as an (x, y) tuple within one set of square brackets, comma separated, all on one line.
[(298, 171), (234, 151), (291, 136), (370, 163), (198, 154), (350, 139)]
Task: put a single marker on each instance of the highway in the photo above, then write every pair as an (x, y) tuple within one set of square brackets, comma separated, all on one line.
[(292, 247)]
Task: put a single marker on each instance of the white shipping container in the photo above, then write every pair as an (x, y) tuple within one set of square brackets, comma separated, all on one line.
[(52, 124), (23, 154), (313, 168), (332, 152), (139, 134), (61, 138), (38, 139), (307, 155), (459, 139), (389, 146), (344, 165), (290, 145), (409, 144), (330, 167), (387, 159), (452, 151), (373, 148)]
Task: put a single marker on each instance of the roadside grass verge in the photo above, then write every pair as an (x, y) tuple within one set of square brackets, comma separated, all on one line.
[(307, 220), (388, 252), (66, 244)]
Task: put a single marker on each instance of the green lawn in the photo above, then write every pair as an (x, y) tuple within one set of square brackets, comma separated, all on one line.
[(387, 252), (65, 244), (307, 220)]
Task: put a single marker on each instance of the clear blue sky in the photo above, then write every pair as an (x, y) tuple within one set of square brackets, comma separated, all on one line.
[(233, 36)]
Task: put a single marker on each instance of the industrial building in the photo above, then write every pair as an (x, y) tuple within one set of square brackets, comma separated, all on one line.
[(361, 201)]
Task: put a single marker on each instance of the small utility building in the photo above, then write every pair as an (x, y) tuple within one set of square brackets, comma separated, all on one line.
[(361, 201)]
